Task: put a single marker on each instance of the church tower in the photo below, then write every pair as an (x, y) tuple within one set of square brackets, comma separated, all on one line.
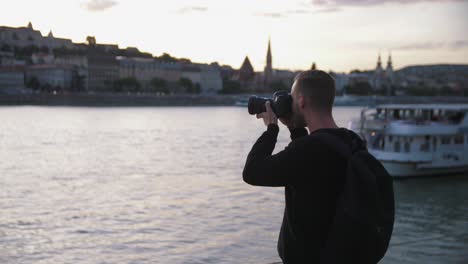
[(269, 66), (378, 74), (389, 77), (378, 68), (389, 69)]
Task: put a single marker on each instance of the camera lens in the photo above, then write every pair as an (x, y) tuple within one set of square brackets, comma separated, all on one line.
[(256, 105)]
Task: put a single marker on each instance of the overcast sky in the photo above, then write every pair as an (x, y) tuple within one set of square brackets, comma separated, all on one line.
[(336, 34)]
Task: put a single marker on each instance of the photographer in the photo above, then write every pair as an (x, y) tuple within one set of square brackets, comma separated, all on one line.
[(312, 172)]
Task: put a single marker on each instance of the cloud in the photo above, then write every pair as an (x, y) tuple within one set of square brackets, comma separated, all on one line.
[(421, 46), (459, 44), (304, 11), (428, 45), (321, 3), (330, 6), (271, 14), (191, 9), (454, 45), (98, 5)]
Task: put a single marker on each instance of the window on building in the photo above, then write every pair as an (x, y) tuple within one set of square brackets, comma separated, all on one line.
[(444, 140)]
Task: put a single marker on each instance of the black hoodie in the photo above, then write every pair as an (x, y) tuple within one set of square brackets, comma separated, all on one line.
[(313, 175)]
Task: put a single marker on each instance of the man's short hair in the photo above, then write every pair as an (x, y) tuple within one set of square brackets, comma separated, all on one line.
[(319, 89)]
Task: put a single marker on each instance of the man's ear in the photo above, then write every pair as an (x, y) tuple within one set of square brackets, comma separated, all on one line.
[(301, 102)]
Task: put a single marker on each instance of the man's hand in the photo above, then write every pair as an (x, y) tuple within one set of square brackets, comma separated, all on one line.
[(288, 121), (268, 117)]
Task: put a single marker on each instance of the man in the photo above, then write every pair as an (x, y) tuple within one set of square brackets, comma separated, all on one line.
[(312, 172)]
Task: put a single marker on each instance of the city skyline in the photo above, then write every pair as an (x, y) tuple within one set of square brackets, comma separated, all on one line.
[(352, 32)]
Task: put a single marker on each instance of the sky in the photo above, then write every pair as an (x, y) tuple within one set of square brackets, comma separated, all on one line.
[(338, 35)]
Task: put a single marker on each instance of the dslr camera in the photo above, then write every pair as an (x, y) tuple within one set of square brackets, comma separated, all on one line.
[(281, 104)]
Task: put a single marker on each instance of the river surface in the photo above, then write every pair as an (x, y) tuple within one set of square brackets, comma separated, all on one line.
[(164, 185)]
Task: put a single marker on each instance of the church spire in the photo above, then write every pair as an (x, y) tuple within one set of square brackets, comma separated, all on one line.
[(268, 72), (269, 58), (389, 62), (50, 34), (379, 62)]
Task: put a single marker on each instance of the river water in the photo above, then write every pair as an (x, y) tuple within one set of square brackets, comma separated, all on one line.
[(164, 185)]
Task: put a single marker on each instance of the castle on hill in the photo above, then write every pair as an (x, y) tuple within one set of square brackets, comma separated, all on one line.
[(27, 36)]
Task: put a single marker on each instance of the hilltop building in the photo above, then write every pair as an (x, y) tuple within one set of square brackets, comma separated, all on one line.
[(28, 36)]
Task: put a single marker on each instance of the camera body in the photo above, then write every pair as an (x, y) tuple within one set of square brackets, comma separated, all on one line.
[(281, 104)]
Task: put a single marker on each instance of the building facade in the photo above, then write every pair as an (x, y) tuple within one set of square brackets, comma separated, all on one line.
[(11, 79), (144, 70), (53, 77), (103, 70)]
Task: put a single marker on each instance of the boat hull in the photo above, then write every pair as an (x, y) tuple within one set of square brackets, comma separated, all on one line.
[(406, 169)]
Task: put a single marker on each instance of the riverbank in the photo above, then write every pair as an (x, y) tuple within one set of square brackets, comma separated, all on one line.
[(130, 100), (118, 100)]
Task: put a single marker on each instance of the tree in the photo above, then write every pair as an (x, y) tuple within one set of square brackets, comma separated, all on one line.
[(231, 87), (167, 58), (33, 83), (5, 47), (44, 49), (159, 85), (359, 88), (129, 84), (197, 88), (23, 53), (186, 84), (278, 86), (79, 83)]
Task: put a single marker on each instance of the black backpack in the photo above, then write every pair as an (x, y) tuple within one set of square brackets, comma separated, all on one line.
[(365, 211)]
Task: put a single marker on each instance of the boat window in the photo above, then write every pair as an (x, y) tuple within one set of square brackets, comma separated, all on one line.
[(390, 138), (444, 140), (458, 139), (456, 117), (434, 143), (407, 146), (397, 146), (425, 147)]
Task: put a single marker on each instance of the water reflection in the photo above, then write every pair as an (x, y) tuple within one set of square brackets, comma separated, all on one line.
[(163, 185)]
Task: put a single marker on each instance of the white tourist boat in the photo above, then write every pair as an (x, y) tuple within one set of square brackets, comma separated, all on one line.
[(416, 140)]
